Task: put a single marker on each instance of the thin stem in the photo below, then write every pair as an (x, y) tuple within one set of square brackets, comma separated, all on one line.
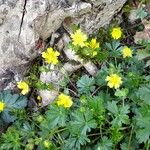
[(57, 131), (96, 91), (115, 62), (101, 132), (94, 134), (123, 102), (129, 144), (73, 92), (57, 139), (95, 140), (147, 145), (60, 138), (66, 74)]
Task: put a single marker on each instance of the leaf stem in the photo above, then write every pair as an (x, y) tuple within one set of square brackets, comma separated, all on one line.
[(101, 132), (147, 145), (129, 144), (123, 102)]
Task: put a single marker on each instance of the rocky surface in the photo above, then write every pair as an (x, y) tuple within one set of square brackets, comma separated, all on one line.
[(25, 24)]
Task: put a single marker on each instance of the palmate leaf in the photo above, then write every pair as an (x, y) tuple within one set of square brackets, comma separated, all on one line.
[(56, 116), (75, 142), (105, 144), (143, 134), (83, 122), (7, 117), (122, 93), (141, 13), (144, 93), (86, 84), (120, 113), (28, 130), (142, 54), (143, 123), (12, 102), (147, 63), (113, 48), (96, 104), (101, 76)]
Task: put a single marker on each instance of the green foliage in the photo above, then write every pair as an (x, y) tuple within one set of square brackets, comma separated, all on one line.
[(122, 93), (96, 105), (142, 119), (101, 76), (56, 116), (76, 141), (100, 116), (141, 13), (82, 121), (143, 93), (119, 114), (105, 144), (13, 103), (11, 140), (37, 83), (86, 84), (145, 53)]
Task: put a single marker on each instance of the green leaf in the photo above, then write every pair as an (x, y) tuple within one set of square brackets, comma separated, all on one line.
[(75, 142), (143, 123), (142, 54), (113, 46), (141, 13), (28, 130), (56, 116), (143, 135), (43, 69), (12, 103), (86, 84), (119, 114), (124, 146), (105, 144), (112, 107), (7, 117), (116, 135), (101, 76), (121, 92), (83, 122), (10, 140), (96, 105), (144, 93), (147, 63)]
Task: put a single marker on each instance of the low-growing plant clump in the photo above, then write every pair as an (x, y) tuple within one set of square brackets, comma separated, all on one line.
[(108, 111)]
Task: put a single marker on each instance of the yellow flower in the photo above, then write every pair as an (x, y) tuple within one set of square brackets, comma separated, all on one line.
[(2, 106), (114, 81), (51, 56), (47, 144), (93, 44), (24, 87), (79, 38), (127, 52), (64, 100), (116, 33)]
